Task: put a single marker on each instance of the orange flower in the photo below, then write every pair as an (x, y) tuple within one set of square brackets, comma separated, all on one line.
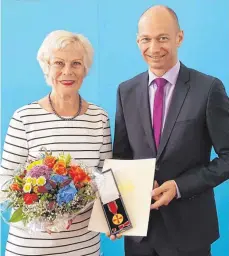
[(78, 174), (35, 189), (50, 161), (15, 187), (22, 176), (60, 168)]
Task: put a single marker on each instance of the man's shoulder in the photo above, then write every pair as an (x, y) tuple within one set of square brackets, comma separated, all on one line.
[(201, 77), (134, 81)]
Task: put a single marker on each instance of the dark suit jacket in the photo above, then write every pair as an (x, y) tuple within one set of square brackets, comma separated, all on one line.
[(198, 119)]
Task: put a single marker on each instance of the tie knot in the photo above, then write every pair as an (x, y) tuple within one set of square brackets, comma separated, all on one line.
[(160, 82)]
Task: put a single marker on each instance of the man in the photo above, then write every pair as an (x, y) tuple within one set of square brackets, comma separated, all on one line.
[(174, 114)]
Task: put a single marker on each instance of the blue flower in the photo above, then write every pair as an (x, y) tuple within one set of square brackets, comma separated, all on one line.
[(66, 194), (58, 178)]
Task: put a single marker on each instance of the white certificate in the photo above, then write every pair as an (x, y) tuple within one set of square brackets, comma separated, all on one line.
[(135, 182)]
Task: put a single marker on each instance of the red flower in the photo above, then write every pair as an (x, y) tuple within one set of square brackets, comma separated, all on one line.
[(78, 174), (42, 189), (50, 161), (15, 187), (30, 198)]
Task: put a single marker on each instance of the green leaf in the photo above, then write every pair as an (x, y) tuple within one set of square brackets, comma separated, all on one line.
[(24, 221), (68, 159), (17, 215), (43, 198), (19, 180)]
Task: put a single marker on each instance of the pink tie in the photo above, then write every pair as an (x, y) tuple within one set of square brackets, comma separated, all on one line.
[(158, 109)]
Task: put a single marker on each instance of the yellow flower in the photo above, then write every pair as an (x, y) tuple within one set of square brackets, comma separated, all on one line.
[(34, 181), (41, 181), (27, 187), (28, 180), (35, 163)]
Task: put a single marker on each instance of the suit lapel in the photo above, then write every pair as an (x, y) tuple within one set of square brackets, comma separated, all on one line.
[(179, 95), (144, 109)]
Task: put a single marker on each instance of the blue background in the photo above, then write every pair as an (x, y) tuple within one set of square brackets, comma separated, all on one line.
[(111, 26)]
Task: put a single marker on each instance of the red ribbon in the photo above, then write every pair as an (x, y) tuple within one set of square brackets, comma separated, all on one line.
[(69, 223), (113, 208)]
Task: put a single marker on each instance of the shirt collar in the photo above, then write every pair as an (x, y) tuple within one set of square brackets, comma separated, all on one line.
[(171, 75)]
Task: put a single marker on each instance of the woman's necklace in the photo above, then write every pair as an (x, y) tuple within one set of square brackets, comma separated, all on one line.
[(63, 118)]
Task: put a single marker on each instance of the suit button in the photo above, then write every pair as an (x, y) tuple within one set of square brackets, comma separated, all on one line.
[(157, 168)]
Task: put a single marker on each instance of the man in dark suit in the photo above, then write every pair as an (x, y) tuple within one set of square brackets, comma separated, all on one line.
[(174, 114)]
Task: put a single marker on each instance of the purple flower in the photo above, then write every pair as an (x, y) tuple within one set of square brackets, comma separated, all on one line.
[(40, 170)]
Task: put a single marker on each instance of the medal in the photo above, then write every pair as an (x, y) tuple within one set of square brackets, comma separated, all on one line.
[(113, 208)]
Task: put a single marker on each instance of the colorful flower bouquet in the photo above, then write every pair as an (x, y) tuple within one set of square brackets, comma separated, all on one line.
[(47, 193)]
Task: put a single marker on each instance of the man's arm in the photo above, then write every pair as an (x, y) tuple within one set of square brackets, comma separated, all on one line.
[(199, 179), (121, 147)]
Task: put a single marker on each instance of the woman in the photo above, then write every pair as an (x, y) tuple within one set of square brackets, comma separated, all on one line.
[(61, 121)]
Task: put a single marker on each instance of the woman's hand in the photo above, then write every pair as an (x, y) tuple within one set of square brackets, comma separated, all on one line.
[(113, 237)]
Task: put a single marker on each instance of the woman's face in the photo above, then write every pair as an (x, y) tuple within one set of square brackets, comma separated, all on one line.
[(67, 70)]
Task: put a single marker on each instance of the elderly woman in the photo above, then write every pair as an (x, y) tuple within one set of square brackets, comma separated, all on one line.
[(61, 121)]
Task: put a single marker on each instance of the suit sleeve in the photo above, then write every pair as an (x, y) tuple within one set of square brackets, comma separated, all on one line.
[(199, 179), (106, 148), (121, 146)]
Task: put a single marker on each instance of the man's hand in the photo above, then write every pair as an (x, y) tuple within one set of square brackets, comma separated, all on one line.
[(113, 237), (163, 194), (155, 185)]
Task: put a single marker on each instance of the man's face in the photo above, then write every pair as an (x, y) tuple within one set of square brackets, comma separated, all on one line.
[(158, 41)]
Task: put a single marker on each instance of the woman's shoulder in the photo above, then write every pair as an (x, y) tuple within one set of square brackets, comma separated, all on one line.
[(29, 109), (94, 109)]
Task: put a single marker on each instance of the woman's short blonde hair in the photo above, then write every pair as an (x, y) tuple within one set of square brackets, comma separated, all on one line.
[(59, 39)]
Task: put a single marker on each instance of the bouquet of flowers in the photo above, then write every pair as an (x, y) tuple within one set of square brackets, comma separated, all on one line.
[(48, 192)]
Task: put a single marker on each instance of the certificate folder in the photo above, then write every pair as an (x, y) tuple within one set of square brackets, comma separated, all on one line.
[(135, 183)]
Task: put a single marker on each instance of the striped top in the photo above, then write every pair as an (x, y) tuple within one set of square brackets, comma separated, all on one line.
[(87, 138)]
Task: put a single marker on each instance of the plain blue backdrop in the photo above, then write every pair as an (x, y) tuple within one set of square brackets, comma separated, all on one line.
[(111, 26)]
